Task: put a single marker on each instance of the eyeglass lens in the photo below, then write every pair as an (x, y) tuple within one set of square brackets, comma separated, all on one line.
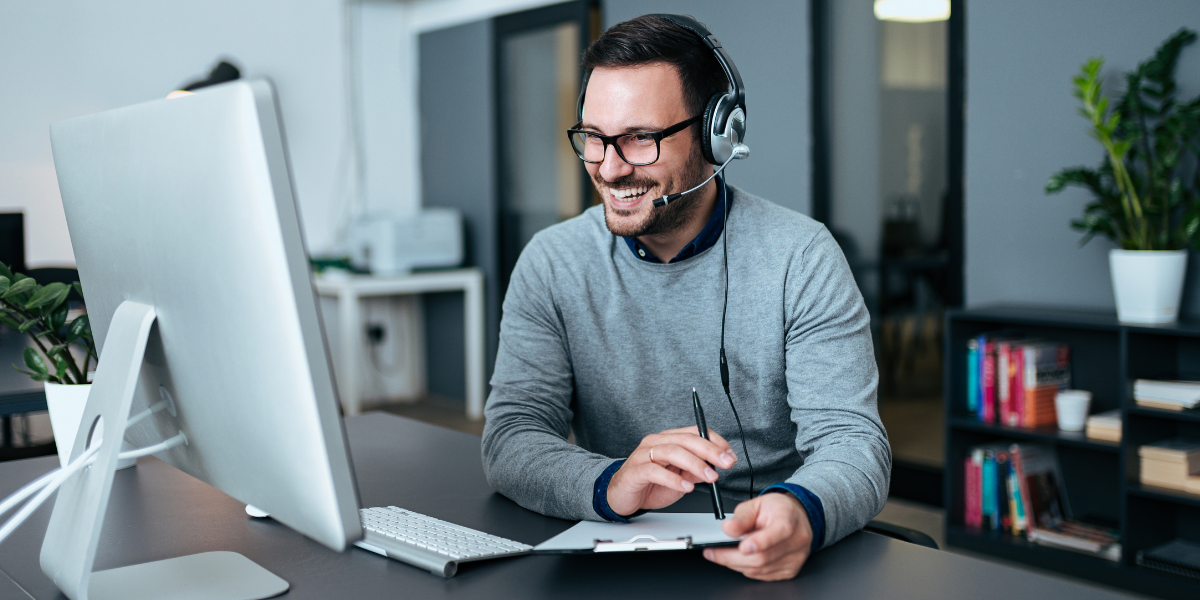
[(635, 148)]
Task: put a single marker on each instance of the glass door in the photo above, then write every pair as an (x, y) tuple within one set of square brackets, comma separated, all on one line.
[(541, 181)]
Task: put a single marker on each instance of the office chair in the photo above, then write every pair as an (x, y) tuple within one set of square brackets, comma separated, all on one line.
[(904, 534)]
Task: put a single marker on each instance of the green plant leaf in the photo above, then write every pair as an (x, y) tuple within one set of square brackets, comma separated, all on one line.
[(59, 317), (78, 289), (56, 349), (8, 320), (19, 286), (4, 283), (60, 368), (5, 271), (27, 325), (34, 361), (47, 295), (79, 327)]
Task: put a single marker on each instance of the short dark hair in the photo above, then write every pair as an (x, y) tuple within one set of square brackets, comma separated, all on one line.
[(646, 40)]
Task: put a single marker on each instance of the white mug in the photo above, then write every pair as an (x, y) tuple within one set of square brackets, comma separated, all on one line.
[(1072, 409)]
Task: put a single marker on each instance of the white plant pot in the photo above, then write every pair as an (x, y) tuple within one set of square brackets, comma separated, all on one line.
[(66, 403), (1148, 284)]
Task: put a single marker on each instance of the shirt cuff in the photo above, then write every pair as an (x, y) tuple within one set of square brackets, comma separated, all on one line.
[(812, 505), (600, 494)]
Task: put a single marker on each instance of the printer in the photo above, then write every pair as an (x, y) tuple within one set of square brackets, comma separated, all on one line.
[(395, 244)]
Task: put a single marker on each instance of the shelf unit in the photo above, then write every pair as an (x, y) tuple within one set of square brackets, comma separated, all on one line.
[(1100, 478)]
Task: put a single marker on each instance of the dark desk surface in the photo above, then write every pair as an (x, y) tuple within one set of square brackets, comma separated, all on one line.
[(158, 512)]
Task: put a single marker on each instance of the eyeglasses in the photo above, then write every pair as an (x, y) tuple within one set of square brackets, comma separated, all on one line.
[(639, 148)]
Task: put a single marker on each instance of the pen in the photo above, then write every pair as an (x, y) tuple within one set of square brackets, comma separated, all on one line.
[(718, 512)]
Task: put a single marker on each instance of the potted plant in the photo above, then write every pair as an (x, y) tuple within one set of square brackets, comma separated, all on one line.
[(1146, 188), (63, 350)]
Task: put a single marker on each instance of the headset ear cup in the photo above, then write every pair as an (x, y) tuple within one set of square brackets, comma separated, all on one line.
[(707, 126)]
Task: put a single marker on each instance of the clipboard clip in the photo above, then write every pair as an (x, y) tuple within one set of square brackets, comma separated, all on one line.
[(641, 543)]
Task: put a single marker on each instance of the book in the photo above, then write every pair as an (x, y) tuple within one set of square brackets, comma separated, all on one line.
[(1178, 449), (1014, 499), (1081, 537), (1180, 557), (987, 405), (1181, 394), (1104, 426), (971, 511), (1045, 370), (1038, 479), (1157, 404), (1005, 369), (973, 391)]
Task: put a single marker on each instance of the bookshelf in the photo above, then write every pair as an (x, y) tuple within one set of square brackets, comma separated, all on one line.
[(1100, 478)]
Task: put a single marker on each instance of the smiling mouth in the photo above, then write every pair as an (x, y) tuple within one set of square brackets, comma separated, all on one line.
[(627, 197)]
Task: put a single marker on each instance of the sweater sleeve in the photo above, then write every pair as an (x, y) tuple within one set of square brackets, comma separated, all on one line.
[(526, 455), (832, 380)]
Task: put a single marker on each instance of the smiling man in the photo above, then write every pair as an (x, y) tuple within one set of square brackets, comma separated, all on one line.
[(611, 318)]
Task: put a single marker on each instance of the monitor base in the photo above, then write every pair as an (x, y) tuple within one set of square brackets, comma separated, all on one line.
[(208, 576)]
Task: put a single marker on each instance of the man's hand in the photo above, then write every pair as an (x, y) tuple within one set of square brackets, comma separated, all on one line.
[(778, 538), (664, 467)]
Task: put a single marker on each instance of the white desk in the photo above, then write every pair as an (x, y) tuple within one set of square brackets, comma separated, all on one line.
[(349, 289)]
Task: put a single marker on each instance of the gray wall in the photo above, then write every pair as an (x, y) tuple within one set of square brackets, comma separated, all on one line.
[(769, 45), (457, 166), (1022, 127)]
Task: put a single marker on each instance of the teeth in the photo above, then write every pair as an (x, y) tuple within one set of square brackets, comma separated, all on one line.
[(630, 192)]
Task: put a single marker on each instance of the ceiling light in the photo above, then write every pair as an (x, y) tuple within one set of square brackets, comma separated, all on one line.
[(912, 11)]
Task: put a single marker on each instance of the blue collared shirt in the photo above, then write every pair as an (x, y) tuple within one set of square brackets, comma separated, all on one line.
[(707, 239)]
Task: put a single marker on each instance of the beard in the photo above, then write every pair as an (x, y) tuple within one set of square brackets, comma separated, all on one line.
[(654, 220)]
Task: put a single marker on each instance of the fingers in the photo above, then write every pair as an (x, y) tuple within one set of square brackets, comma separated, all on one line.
[(744, 518), (776, 541), (713, 436), (671, 455), (761, 566), (719, 455)]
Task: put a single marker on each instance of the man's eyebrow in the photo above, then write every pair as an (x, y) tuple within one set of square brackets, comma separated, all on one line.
[(629, 129)]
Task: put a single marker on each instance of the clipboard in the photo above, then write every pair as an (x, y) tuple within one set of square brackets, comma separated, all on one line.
[(648, 532)]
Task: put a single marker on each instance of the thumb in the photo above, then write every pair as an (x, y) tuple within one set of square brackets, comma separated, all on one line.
[(744, 518)]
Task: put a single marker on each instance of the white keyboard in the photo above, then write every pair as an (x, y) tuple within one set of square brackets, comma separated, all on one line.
[(429, 543)]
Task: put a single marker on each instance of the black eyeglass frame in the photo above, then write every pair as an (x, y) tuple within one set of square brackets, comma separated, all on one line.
[(611, 140)]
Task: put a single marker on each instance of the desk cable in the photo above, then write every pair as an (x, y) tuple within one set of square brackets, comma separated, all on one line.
[(47, 484)]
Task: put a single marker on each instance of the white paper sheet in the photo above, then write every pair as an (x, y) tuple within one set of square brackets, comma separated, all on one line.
[(703, 528)]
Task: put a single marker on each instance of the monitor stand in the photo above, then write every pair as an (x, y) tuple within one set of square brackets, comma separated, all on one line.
[(69, 550)]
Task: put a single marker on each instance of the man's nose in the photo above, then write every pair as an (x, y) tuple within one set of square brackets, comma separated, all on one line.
[(613, 167)]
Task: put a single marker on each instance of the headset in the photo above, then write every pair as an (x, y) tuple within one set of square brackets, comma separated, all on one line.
[(724, 128)]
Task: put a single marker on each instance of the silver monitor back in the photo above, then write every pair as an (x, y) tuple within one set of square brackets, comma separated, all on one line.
[(187, 205)]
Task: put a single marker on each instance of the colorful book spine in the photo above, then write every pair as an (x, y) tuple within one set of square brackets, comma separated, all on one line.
[(987, 412), (1046, 370), (973, 391), (971, 511), (1016, 389), (1003, 510), (1014, 493), (988, 500), (1003, 397)]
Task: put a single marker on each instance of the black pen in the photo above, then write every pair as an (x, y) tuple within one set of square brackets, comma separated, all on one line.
[(718, 512)]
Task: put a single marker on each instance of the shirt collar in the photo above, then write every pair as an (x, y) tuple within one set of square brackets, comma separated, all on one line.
[(706, 239)]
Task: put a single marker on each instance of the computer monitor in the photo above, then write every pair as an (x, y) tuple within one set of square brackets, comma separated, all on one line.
[(198, 287)]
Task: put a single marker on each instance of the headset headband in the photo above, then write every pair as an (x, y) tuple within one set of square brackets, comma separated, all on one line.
[(711, 41)]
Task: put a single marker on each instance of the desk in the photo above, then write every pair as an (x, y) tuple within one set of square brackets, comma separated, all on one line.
[(158, 512), (18, 393), (349, 289)]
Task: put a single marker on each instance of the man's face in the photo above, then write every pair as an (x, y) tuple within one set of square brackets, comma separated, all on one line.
[(642, 98)]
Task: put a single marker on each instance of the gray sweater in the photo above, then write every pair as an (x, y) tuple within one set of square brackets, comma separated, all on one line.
[(596, 342)]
